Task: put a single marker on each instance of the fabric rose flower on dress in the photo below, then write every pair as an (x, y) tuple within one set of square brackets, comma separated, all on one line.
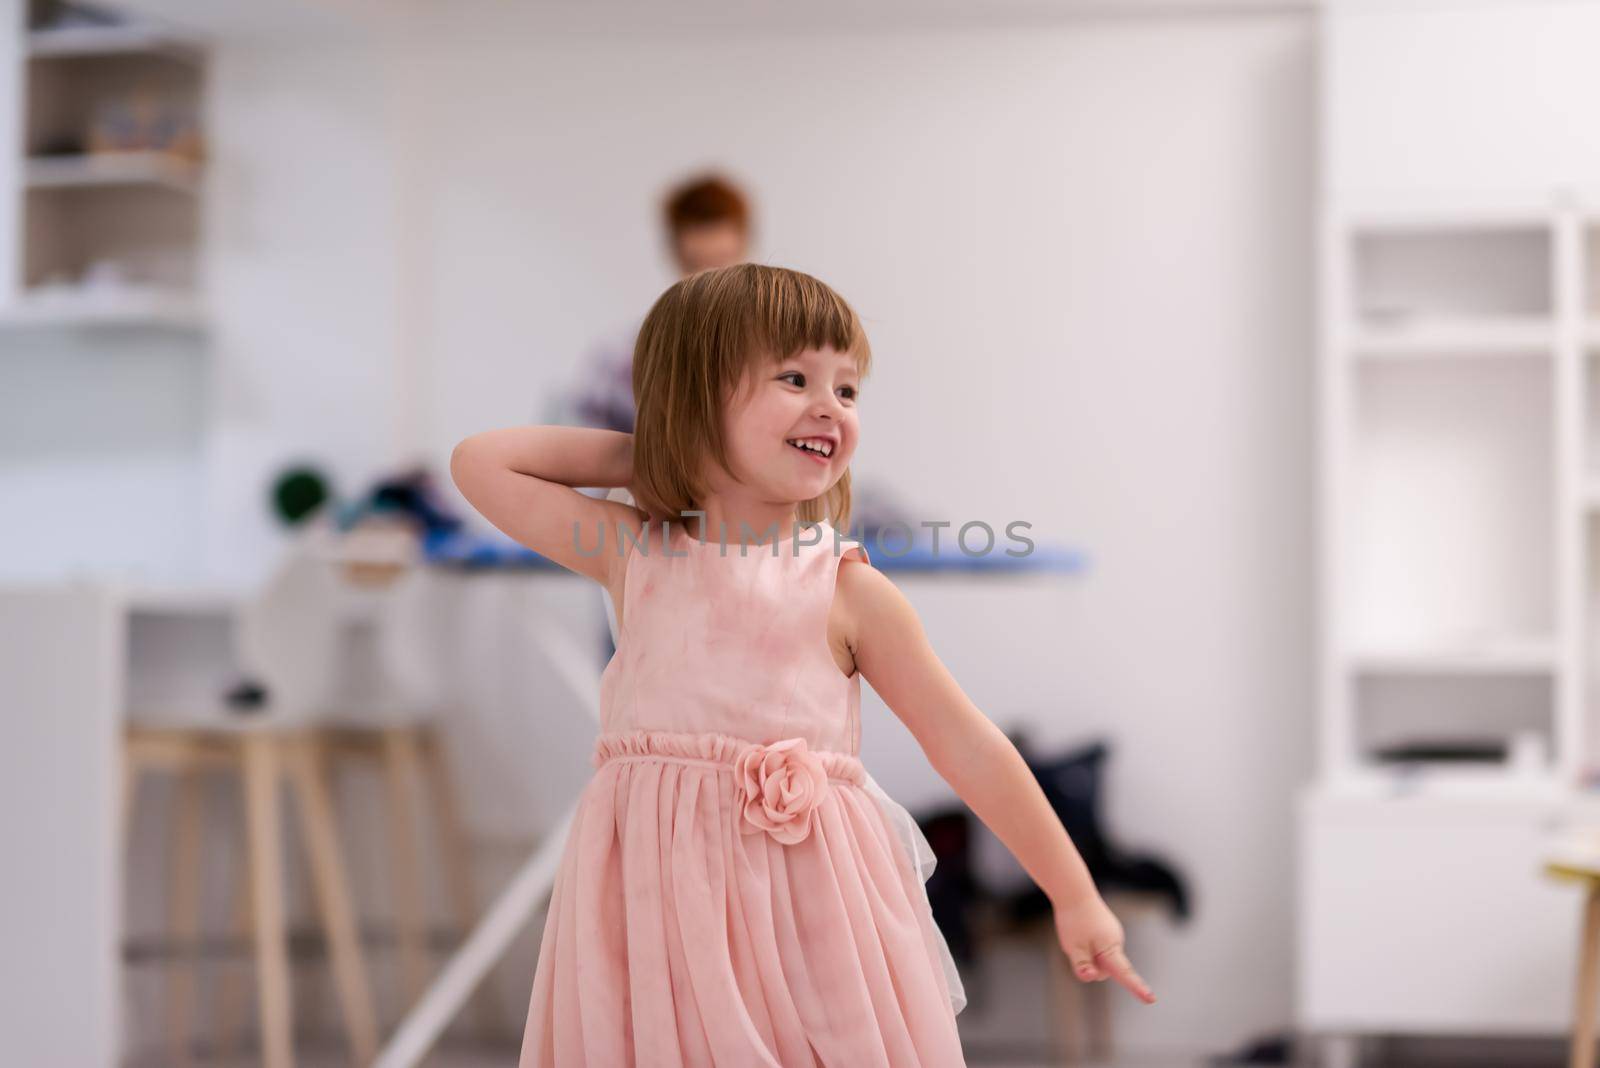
[(781, 785)]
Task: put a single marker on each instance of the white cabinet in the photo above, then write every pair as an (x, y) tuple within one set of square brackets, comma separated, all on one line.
[(1431, 915), (1459, 433)]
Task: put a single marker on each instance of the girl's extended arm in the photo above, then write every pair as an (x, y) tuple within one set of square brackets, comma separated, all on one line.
[(522, 480), (985, 769)]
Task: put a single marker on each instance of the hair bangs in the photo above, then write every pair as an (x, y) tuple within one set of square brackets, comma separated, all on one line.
[(795, 312)]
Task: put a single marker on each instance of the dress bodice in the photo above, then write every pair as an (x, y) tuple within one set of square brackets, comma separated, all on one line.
[(722, 637)]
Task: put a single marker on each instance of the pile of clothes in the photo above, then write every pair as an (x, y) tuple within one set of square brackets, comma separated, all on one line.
[(1072, 782)]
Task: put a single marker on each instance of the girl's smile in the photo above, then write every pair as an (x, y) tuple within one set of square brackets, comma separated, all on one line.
[(817, 449)]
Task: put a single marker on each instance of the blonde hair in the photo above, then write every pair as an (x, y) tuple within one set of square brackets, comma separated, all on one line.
[(691, 355)]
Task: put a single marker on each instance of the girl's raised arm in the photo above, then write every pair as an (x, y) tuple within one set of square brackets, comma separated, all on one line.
[(522, 480), (976, 758)]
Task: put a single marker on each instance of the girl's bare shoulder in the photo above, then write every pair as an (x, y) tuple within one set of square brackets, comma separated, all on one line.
[(629, 526), (858, 587)]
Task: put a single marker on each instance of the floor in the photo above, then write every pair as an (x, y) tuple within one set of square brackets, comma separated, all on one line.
[(1005, 1026), (468, 1057), (1398, 1055), (1393, 1053)]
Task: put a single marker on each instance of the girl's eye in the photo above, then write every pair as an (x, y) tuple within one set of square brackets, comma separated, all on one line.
[(798, 378)]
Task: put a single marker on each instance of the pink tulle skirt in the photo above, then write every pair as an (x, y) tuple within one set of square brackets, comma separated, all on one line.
[(721, 902)]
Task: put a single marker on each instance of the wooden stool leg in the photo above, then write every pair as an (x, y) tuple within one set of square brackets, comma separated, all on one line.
[(456, 855), (1583, 1022), (230, 995), (1067, 996), (401, 770), (261, 774), (1098, 1033), (1340, 1051), (183, 912), (333, 899)]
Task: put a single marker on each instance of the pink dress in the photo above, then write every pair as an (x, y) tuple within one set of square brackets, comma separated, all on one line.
[(735, 889)]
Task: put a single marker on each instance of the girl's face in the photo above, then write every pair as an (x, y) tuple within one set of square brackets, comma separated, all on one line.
[(791, 427)]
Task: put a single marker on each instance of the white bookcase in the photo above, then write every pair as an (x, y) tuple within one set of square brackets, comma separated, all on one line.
[(106, 224), (1459, 518), (1460, 445), (1454, 492)]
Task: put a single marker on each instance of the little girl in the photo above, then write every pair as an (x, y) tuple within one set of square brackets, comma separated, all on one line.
[(735, 890)]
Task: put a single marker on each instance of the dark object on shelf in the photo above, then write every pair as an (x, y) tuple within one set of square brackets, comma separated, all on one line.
[(61, 16), (1072, 784), (298, 492), (246, 696), (1486, 751), (61, 145)]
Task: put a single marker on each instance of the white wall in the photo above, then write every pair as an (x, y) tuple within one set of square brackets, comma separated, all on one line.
[(101, 451), (302, 243), (1083, 255), (1459, 111)]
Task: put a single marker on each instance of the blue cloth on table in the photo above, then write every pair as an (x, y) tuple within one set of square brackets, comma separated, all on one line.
[(465, 549)]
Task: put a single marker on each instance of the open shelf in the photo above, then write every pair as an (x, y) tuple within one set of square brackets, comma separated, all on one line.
[(1590, 656), (153, 307), (1443, 781), (1531, 337), (113, 102), (162, 169), (1590, 431), (1452, 708), (137, 40), (149, 235), (1421, 275), (1491, 656), (1452, 510)]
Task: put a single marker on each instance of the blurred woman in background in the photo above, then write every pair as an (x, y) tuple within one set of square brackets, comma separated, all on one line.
[(707, 222)]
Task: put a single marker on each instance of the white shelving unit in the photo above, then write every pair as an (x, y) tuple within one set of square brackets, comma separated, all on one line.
[(107, 229), (1460, 506), (1459, 519)]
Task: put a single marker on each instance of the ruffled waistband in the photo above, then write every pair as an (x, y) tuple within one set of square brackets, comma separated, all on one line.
[(710, 748)]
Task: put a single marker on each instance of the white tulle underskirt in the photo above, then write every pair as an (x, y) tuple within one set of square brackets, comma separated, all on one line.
[(921, 852)]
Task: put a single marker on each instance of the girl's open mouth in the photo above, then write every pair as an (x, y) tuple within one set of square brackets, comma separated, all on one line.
[(818, 449)]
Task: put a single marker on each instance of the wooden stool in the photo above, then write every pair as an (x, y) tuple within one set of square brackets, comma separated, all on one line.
[(411, 757), (1588, 987), (263, 758), (1080, 1013)]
